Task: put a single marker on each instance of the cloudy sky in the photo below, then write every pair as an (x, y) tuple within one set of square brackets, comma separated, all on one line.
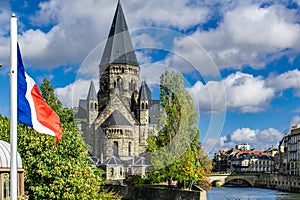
[(240, 58)]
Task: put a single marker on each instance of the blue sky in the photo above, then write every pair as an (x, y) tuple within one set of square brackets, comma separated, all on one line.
[(240, 58)]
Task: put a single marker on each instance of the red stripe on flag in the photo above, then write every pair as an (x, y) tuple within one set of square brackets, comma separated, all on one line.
[(45, 115)]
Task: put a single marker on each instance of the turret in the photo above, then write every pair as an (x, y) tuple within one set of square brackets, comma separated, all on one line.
[(92, 104), (144, 98)]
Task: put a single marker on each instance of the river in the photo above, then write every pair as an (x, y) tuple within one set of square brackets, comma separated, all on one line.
[(235, 193)]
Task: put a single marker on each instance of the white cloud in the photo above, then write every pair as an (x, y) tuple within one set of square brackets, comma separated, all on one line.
[(247, 93), (76, 27), (295, 121), (188, 55), (144, 40), (70, 94), (271, 28), (258, 139), (244, 93), (250, 35), (297, 110), (286, 80), (165, 13), (211, 97), (246, 35), (4, 15)]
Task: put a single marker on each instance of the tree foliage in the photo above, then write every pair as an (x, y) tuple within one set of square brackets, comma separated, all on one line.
[(56, 172), (175, 152)]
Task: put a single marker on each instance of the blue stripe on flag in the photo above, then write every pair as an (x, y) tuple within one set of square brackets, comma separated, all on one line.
[(24, 111)]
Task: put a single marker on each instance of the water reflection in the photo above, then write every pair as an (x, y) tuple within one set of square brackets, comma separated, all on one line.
[(234, 193)]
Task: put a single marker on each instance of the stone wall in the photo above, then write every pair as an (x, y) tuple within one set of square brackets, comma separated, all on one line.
[(151, 193), (280, 182)]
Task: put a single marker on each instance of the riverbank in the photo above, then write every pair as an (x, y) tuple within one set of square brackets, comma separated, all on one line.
[(233, 193), (155, 192), (279, 182)]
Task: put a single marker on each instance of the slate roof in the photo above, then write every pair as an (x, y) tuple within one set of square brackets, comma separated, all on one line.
[(113, 161), (134, 162), (142, 161), (82, 109), (116, 118), (145, 92), (92, 92), (118, 48), (153, 111)]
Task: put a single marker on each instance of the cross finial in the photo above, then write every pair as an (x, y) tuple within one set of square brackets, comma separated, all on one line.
[(119, 2)]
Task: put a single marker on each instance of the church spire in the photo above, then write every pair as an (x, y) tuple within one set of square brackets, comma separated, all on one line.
[(119, 48), (92, 92)]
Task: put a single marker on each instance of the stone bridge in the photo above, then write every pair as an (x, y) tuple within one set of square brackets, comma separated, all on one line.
[(220, 179)]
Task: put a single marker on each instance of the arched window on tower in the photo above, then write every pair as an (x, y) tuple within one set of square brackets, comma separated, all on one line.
[(116, 149), (119, 84), (143, 106), (91, 106), (96, 106), (132, 85), (129, 149)]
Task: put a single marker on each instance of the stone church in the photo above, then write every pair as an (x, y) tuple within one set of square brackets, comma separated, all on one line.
[(118, 119)]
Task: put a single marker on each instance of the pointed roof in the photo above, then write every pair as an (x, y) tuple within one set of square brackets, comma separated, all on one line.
[(116, 118), (142, 161), (145, 92), (113, 161), (82, 109), (119, 48), (92, 92)]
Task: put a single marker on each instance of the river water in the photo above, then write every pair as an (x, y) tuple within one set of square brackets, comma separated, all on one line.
[(235, 193)]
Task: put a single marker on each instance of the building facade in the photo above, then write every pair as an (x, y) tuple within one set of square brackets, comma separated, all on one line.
[(243, 159), (117, 120), (289, 154)]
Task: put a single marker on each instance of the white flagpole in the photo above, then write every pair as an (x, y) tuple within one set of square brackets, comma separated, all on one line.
[(13, 107)]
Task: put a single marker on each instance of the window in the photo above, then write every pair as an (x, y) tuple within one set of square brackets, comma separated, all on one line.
[(116, 149), (112, 171), (132, 85), (129, 149), (120, 84)]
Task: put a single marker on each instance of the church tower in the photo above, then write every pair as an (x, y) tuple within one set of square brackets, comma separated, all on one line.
[(144, 99), (119, 69), (117, 120), (92, 104)]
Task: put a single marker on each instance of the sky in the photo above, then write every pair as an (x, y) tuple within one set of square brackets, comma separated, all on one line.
[(240, 59)]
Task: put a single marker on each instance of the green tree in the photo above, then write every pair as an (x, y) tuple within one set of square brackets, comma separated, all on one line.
[(56, 172), (174, 151)]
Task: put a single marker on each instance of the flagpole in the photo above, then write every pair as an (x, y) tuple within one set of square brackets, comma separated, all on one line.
[(13, 107)]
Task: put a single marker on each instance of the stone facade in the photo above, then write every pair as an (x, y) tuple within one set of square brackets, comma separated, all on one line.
[(289, 155), (118, 120)]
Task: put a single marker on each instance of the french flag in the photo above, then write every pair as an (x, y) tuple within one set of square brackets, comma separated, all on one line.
[(33, 111)]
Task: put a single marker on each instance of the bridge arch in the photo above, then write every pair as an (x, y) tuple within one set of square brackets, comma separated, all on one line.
[(250, 182)]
